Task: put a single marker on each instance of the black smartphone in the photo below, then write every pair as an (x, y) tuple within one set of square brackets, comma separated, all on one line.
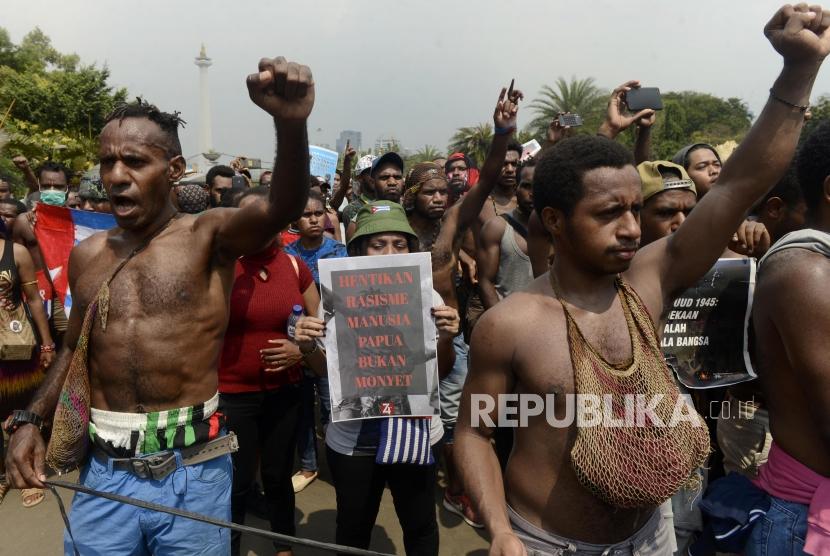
[(239, 181), (644, 97), (570, 120)]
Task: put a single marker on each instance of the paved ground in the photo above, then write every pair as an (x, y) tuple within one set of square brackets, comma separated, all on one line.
[(38, 531)]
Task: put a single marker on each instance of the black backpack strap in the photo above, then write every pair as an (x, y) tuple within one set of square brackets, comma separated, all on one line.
[(520, 228)]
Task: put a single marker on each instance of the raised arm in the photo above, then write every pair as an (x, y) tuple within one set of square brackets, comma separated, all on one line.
[(800, 34), (286, 91), (22, 164), (617, 116), (345, 178), (556, 132), (504, 119), (642, 145)]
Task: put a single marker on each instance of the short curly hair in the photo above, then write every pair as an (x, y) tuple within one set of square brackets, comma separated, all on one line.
[(169, 123), (813, 166), (557, 182)]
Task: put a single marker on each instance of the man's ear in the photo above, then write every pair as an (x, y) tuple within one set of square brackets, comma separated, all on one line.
[(553, 220), (774, 207), (826, 190), (175, 168)]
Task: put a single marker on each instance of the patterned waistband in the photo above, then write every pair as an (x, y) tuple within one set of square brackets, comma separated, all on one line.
[(121, 435)]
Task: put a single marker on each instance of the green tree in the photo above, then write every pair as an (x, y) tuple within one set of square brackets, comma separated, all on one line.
[(475, 141), (472, 141), (528, 134), (695, 117), (819, 113), (58, 105), (427, 153), (578, 96)]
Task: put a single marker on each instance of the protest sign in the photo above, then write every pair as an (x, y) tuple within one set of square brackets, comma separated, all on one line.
[(706, 328), (323, 162), (380, 337)]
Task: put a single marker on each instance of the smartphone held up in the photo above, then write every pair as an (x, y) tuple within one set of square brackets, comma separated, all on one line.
[(643, 98), (570, 120)]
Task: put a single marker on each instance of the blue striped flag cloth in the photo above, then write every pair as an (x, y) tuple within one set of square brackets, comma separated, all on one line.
[(405, 440)]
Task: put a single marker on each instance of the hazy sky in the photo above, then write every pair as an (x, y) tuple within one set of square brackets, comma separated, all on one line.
[(414, 69)]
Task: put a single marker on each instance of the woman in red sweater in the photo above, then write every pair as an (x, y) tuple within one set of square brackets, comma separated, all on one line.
[(259, 377)]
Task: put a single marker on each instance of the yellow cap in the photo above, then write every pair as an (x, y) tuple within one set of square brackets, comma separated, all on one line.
[(654, 183)]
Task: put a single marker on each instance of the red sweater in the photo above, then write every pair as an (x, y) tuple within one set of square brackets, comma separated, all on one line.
[(259, 312)]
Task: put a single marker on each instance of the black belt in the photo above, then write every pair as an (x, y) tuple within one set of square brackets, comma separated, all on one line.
[(160, 465)]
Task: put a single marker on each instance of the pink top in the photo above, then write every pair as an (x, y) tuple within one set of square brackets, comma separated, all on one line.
[(785, 477)]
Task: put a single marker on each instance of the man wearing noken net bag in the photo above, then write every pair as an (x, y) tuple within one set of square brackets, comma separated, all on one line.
[(138, 371), (587, 327)]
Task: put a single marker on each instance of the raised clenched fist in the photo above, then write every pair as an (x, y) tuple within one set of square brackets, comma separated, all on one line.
[(800, 33), (20, 161), (283, 89)]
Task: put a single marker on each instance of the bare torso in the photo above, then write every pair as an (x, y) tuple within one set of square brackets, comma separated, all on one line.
[(794, 417), (444, 247), (540, 482), (492, 208), (167, 315)]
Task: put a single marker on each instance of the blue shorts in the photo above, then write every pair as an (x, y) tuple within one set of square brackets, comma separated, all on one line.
[(104, 527)]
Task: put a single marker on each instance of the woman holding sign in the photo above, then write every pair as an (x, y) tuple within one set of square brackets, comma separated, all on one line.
[(360, 464), (260, 374)]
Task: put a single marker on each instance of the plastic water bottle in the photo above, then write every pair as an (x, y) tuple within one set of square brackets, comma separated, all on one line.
[(296, 313)]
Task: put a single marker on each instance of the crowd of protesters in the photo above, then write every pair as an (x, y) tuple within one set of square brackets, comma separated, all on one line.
[(551, 270)]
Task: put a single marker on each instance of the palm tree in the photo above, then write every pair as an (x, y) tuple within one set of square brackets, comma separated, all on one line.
[(427, 153), (472, 141), (527, 134), (578, 96)]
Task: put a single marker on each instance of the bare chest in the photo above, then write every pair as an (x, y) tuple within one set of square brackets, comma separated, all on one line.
[(545, 363), (168, 277)]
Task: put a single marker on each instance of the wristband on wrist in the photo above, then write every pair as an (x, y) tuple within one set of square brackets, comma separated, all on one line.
[(504, 130), (801, 107), (47, 348)]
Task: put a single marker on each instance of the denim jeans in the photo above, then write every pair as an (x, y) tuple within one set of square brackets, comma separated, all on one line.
[(781, 532), (687, 518), (306, 441), (451, 386), (204, 488)]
